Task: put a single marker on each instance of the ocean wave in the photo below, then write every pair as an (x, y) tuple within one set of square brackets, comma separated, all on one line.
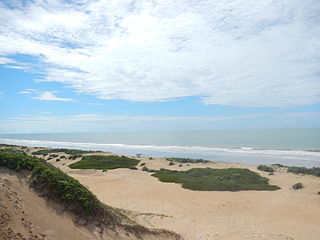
[(192, 150)]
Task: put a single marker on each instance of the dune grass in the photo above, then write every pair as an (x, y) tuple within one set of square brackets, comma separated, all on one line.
[(315, 171), (187, 160), (265, 168), (104, 162), (209, 179), (64, 150)]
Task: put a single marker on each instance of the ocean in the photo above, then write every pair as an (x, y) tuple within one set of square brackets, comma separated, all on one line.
[(292, 147)]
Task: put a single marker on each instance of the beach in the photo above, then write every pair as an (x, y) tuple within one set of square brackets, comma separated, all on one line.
[(281, 214)]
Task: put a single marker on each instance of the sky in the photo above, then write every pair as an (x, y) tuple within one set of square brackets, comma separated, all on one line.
[(102, 65)]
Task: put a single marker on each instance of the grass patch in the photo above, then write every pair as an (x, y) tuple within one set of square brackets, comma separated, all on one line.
[(209, 179), (303, 170), (265, 168), (58, 150), (187, 160), (104, 162)]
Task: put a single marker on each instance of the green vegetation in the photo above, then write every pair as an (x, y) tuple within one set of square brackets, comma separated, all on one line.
[(171, 163), (13, 150), (297, 186), (67, 151), (58, 185), (265, 168), (104, 162), (303, 170), (187, 160), (74, 157), (145, 168), (209, 179)]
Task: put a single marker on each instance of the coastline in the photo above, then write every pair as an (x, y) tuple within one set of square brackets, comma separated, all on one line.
[(277, 215), (244, 155)]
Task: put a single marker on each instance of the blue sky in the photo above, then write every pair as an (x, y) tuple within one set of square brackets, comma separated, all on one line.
[(78, 66)]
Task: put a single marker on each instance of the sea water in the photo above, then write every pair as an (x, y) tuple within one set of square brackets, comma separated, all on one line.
[(299, 147)]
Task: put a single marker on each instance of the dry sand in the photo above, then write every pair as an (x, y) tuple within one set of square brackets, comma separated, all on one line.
[(198, 215)]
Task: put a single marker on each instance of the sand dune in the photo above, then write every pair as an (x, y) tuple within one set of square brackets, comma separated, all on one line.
[(284, 214), (276, 215)]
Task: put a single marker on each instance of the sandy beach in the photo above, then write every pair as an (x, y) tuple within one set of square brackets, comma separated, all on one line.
[(281, 214)]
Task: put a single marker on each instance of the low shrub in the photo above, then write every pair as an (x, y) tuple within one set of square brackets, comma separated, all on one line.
[(209, 179), (265, 168), (315, 171), (187, 160), (171, 163), (133, 168), (297, 186), (104, 162), (67, 151), (145, 168), (142, 164)]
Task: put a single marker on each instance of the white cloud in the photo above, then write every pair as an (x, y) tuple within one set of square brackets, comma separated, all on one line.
[(4, 60), (245, 53), (101, 122), (28, 91), (17, 67), (50, 96)]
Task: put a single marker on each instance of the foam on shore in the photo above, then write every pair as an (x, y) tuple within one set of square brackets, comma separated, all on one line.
[(244, 154)]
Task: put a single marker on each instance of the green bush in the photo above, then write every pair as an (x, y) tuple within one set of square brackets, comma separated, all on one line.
[(67, 151), (303, 170), (209, 179), (145, 168), (104, 162), (142, 164), (187, 160), (171, 163), (265, 168), (133, 168), (297, 186)]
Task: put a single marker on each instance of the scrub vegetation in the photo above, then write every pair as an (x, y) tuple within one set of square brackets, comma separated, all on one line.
[(104, 162), (265, 168), (187, 160), (61, 150), (209, 179)]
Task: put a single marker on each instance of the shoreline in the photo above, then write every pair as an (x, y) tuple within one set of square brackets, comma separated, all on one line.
[(301, 158)]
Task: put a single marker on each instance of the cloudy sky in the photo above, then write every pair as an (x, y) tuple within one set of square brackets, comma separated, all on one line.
[(102, 65)]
